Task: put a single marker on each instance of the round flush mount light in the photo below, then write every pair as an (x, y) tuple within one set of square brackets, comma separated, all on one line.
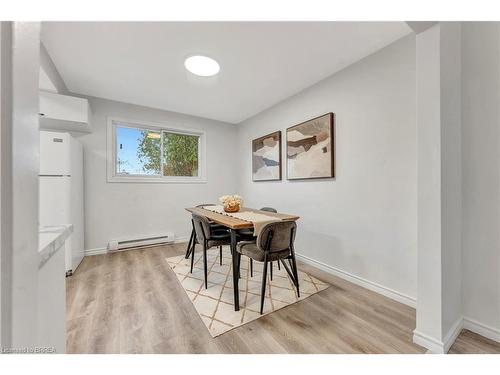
[(202, 66)]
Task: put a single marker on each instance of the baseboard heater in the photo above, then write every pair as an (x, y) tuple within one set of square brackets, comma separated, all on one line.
[(127, 243)]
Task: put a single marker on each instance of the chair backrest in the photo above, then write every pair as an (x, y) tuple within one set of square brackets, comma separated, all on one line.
[(201, 228), (277, 236), (269, 209)]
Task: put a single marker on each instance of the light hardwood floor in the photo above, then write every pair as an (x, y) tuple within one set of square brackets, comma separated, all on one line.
[(469, 342), (131, 302)]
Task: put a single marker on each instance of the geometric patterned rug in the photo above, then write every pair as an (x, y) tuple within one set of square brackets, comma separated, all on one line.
[(215, 304)]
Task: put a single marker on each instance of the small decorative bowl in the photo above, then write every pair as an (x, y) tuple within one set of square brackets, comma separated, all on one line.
[(232, 207)]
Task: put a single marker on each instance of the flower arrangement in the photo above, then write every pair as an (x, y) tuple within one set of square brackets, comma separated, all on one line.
[(231, 203)]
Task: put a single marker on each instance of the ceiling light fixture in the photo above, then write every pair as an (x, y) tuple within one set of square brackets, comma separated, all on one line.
[(202, 66)]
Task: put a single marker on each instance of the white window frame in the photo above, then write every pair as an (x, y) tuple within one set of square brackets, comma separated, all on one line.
[(136, 124)]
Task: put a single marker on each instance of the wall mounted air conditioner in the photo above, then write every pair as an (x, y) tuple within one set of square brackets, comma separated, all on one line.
[(64, 113), (127, 243)]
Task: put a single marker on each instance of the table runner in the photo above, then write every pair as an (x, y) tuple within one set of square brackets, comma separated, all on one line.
[(257, 219)]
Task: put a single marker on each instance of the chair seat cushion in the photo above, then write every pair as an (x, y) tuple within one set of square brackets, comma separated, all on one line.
[(220, 234), (246, 234), (245, 231), (215, 226), (214, 243), (250, 249), (219, 237)]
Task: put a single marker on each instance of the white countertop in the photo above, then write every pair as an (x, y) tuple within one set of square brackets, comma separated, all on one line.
[(51, 239)]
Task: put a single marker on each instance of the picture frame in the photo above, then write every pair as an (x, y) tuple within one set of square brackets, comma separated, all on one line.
[(310, 147), (266, 157)]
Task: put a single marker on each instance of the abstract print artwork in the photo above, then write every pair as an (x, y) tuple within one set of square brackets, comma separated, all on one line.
[(266, 157), (310, 149)]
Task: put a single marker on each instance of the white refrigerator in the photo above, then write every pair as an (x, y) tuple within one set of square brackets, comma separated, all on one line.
[(61, 190)]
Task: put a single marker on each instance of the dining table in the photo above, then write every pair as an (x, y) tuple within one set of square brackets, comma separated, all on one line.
[(234, 224)]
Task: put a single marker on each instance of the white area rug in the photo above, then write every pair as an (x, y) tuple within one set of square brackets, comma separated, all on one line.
[(215, 304)]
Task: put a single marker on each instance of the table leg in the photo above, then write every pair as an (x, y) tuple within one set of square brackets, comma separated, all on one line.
[(235, 271)]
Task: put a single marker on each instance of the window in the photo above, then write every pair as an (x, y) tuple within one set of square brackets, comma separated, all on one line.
[(137, 152), (141, 152)]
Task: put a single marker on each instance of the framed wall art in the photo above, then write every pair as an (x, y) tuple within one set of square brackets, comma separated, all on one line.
[(310, 149), (266, 157)]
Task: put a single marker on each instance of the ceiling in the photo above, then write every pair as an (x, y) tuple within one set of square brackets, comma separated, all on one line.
[(262, 63), (44, 82)]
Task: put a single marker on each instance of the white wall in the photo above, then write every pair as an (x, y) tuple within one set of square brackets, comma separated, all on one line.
[(364, 221), (451, 176), (429, 260), (458, 93), (118, 210), (439, 299), (20, 64), (481, 173), (49, 68), (5, 192)]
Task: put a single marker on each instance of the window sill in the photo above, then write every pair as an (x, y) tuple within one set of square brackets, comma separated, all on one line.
[(156, 180)]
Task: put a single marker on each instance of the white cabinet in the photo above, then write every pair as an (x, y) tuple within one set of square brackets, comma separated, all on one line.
[(63, 112), (51, 287)]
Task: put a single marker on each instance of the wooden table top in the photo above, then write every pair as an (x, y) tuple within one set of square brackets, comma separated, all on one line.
[(234, 223)]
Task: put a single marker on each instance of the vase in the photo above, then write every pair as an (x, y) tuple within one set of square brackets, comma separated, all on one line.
[(231, 207)]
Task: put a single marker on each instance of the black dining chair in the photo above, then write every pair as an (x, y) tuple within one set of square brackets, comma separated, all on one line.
[(192, 237), (208, 237), (247, 234), (274, 243)]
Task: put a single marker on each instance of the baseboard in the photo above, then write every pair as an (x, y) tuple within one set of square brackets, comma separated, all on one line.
[(482, 329), (96, 251), (430, 343), (390, 293), (104, 250), (436, 346), (452, 334)]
